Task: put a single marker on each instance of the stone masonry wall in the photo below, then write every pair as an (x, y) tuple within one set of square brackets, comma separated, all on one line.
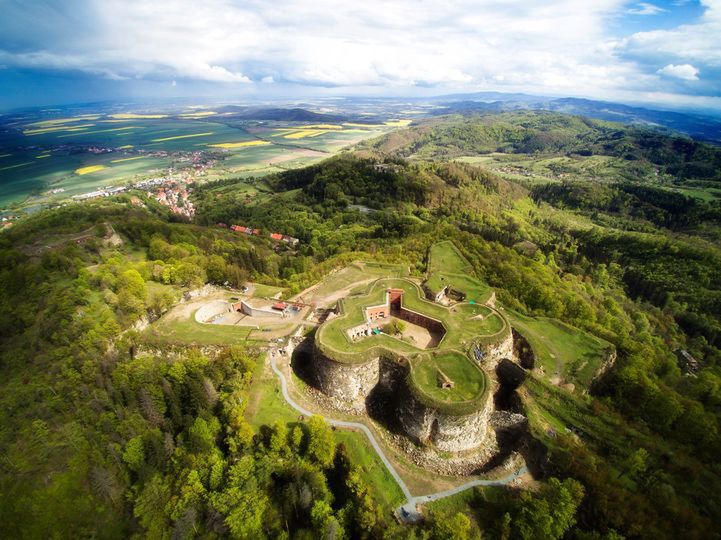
[(452, 433), (350, 382)]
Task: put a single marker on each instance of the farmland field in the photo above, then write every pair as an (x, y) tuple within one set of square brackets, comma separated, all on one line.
[(75, 154)]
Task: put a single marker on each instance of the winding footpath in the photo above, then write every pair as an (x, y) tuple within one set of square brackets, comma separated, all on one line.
[(409, 511)]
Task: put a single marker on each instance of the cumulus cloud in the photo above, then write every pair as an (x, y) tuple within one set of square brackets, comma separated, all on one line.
[(554, 46), (682, 71)]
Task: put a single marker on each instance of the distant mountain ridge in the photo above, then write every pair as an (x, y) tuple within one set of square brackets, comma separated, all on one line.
[(295, 114), (697, 126)]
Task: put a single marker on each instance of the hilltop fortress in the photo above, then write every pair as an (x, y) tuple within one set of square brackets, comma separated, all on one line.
[(437, 361)]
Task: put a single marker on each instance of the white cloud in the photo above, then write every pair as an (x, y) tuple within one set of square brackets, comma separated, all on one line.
[(682, 71), (546, 46), (644, 8)]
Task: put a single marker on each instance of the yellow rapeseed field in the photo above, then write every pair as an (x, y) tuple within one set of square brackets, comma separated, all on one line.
[(43, 156), (183, 137), (305, 133), (126, 159), (16, 166), (90, 169), (99, 131), (398, 123), (40, 131), (60, 121), (243, 144), (198, 114), (352, 124), (125, 146), (133, 116), (323, 126)]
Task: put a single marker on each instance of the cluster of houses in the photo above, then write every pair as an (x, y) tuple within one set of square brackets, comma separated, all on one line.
[(257, 232), (170, 192), (105, 192), (176, 196)]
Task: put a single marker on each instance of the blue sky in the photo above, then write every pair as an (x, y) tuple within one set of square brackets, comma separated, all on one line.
[(664, 53)]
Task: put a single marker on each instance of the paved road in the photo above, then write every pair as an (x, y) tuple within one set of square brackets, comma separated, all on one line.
[(409, 511)]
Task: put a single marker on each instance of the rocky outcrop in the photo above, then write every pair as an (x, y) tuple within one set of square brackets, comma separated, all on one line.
[(351, 384), (448, 432), (523, 351), (489, 354), (510, 373)]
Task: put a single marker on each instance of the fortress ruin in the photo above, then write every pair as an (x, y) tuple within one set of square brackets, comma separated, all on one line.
[(442, 385)]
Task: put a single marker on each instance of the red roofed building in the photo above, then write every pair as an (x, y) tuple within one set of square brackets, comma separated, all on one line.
[(276, 236), (256, 232), (280, 306)]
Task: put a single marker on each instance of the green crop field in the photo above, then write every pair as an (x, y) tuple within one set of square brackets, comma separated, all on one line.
[(38, 154)]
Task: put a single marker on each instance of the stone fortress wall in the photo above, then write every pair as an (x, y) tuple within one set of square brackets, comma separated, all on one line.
[(353, 383), (445, 426)]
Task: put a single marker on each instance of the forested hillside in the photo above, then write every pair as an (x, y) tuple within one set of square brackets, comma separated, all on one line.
[(108, 433), (549, 133)]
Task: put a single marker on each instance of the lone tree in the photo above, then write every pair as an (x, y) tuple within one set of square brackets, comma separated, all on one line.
[(321, 443)]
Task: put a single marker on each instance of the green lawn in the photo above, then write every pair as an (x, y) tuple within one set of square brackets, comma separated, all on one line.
[(362, 455), (468, 380), (561, 349), (472, 287), (463, 327), (351, 274), (190, 332), (266, 291), (445, 257)]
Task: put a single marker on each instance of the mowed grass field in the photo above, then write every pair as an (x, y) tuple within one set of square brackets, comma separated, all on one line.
[(187, 331), (563, 351), (445, 257), (463, 325), (266, 291), (467, 380)]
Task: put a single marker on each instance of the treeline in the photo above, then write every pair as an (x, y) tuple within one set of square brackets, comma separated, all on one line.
[(660, 206)]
